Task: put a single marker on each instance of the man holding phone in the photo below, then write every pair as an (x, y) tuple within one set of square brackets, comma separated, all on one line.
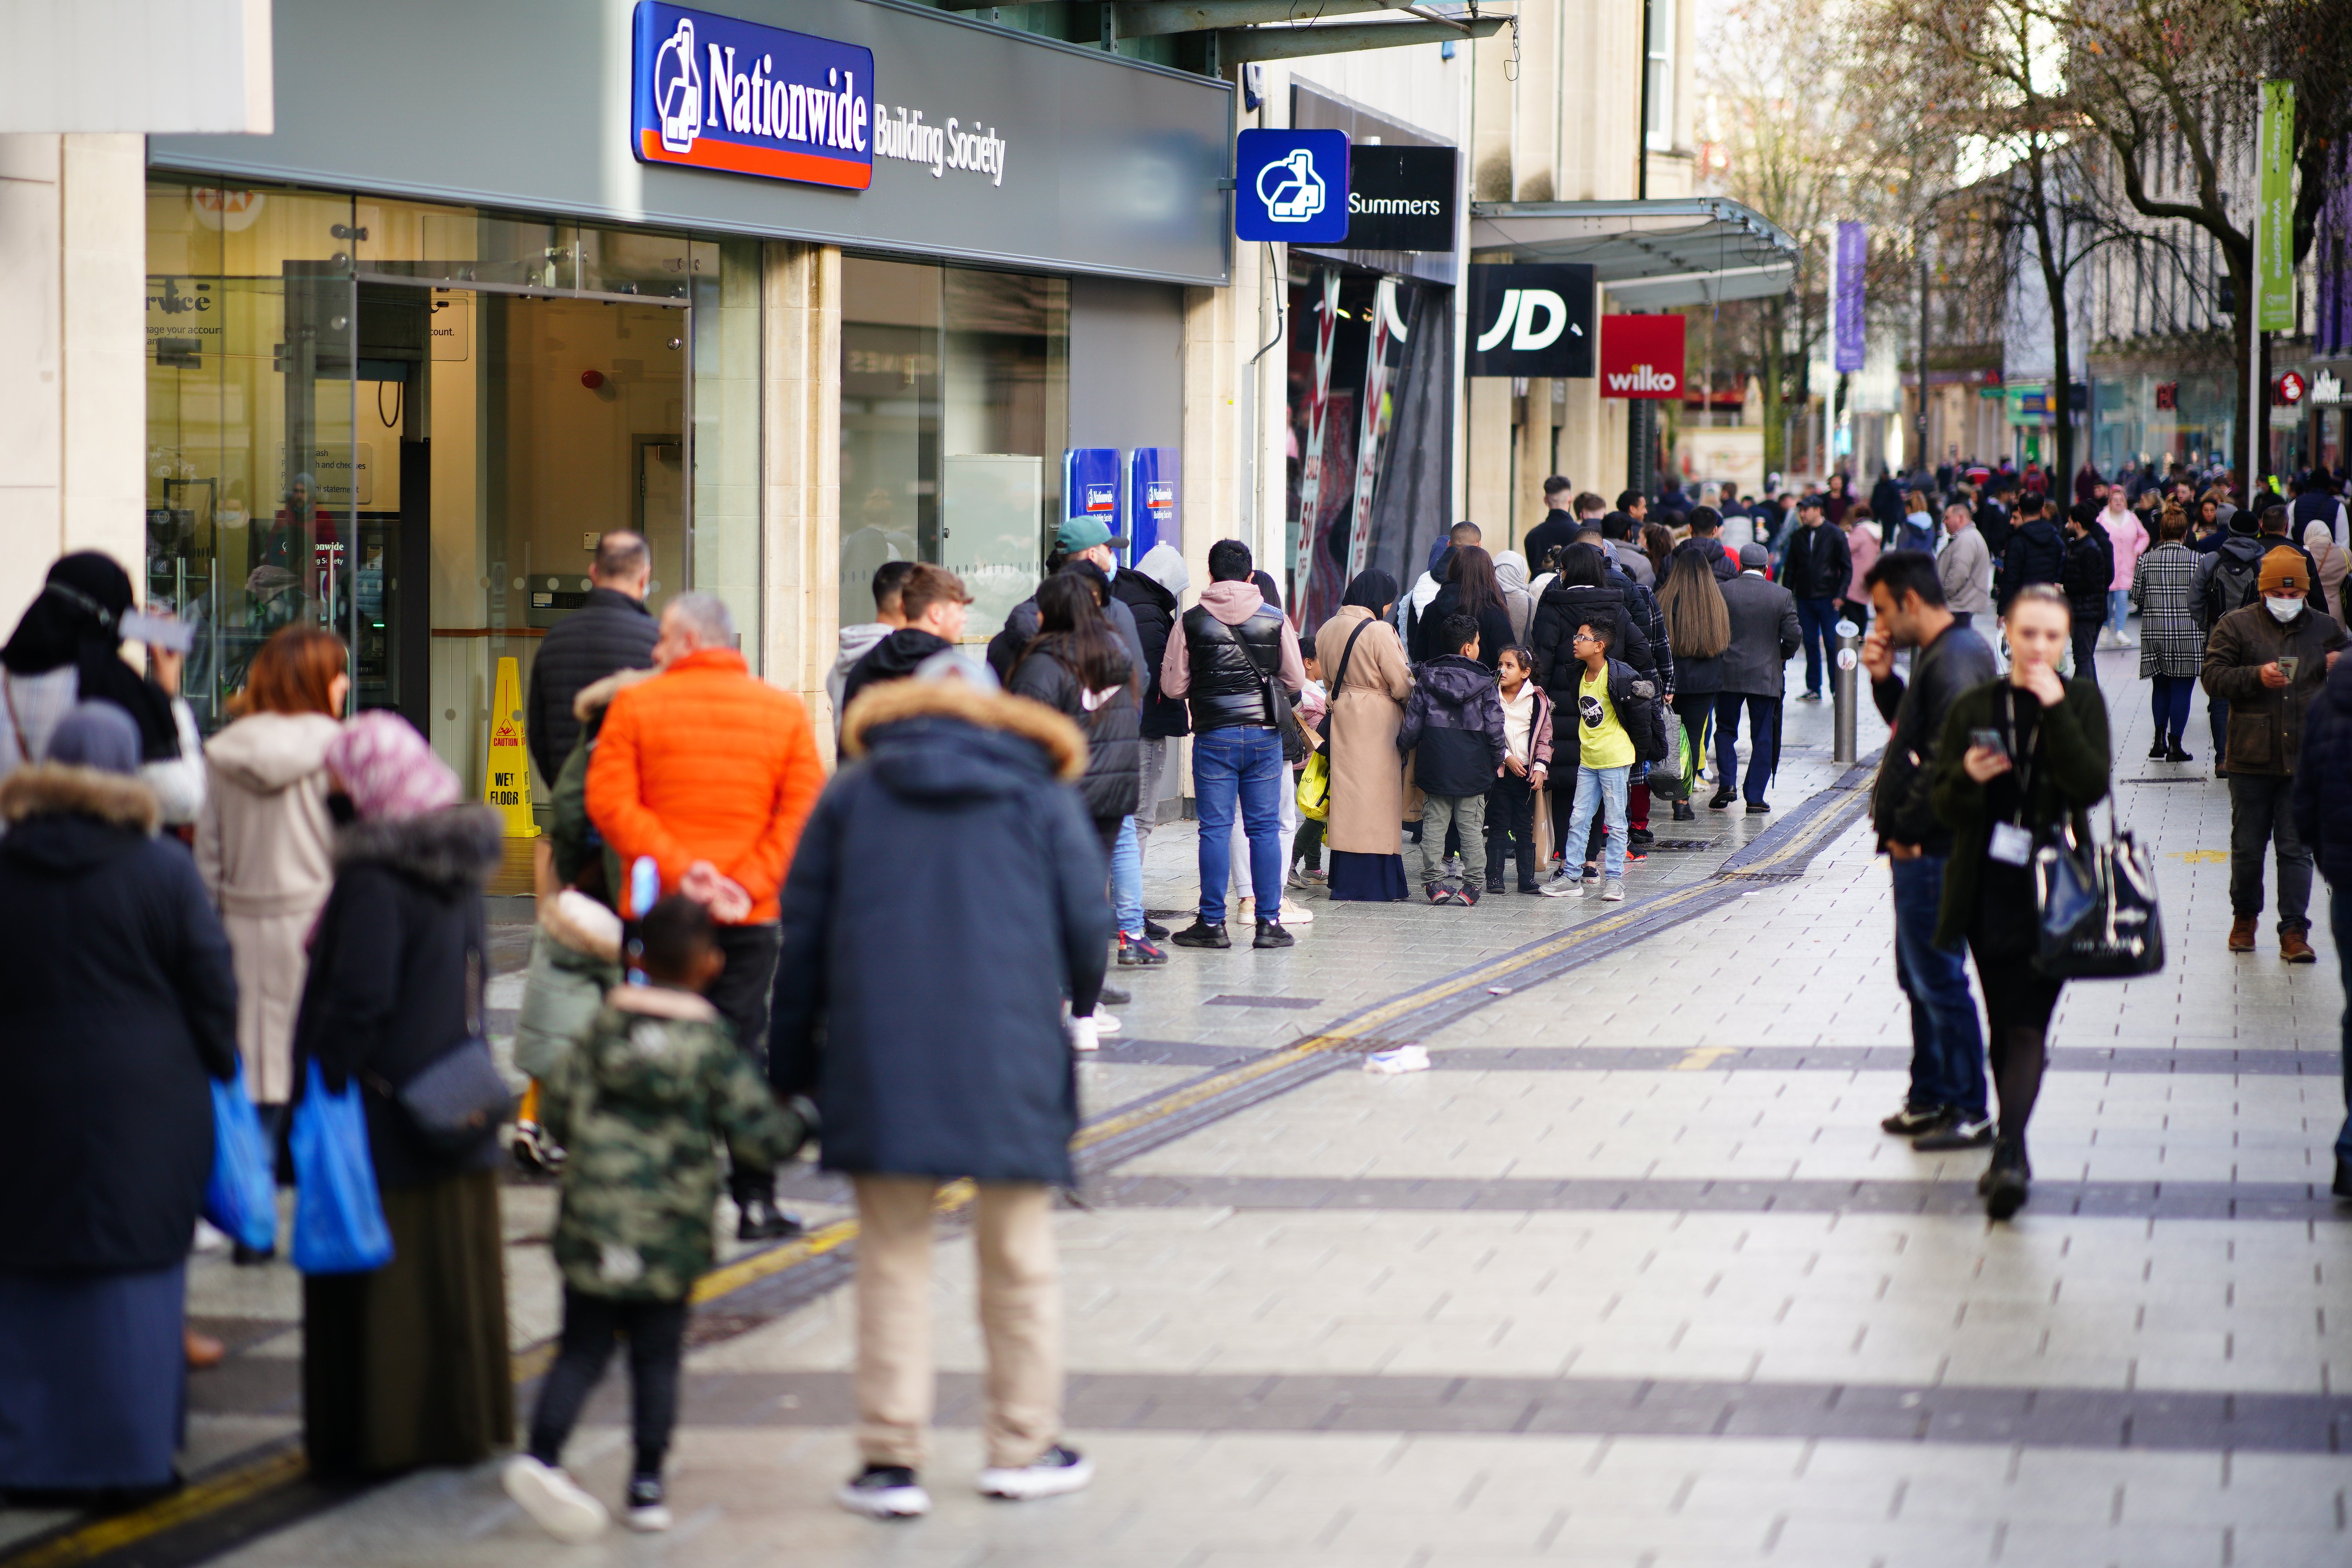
[(2267, 661), (1945, 1108)]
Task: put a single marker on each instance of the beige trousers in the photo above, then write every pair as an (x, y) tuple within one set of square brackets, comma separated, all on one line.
[(1020, 1319)]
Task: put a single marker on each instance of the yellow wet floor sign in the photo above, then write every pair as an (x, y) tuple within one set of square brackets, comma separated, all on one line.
[(509, 785)]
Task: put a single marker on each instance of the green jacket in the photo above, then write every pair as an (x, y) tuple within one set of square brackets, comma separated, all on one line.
[(2266, 725), (2072, 776), (638, 1104), (574, 838)]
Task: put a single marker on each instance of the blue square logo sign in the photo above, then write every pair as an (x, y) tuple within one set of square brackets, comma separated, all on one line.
[(1291, 186)]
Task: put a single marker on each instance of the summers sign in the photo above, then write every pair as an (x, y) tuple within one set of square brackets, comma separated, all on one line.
[(712, 92)]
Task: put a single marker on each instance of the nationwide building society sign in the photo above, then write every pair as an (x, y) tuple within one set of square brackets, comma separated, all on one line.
[(714, 92)]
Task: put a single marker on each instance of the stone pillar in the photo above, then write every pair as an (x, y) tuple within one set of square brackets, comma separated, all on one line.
[(800, 369)]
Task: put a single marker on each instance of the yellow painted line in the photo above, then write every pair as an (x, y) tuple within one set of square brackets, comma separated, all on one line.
[(237, 1486), (1698, 1059), (191, 1502), (2199, 856)]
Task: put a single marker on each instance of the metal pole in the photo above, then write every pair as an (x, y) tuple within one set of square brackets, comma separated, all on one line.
[(1920, 460), (1842, 686), (1642, 131)]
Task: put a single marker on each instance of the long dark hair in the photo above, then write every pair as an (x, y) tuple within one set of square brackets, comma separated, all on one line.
[(1698, 623), (1072, 627), (1472, 572), (1581, 566)]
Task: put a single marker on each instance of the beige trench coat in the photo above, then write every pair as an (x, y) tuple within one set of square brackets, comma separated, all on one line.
[(1368, 777), (265, 846)]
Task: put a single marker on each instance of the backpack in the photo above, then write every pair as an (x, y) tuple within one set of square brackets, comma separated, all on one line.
[(2233, 585)]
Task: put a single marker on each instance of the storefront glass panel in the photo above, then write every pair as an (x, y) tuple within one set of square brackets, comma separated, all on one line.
[(954, 410), (459, 444)]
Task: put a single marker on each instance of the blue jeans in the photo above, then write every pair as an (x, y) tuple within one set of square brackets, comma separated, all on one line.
[(1947, 1046), (1126, 880), (1601, 790), (1239, 766), (1764, 733), (2168, 696), (1817, 619), (2119, 609), (2339, 916)]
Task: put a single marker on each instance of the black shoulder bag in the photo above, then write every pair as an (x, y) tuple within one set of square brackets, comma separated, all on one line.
[(1323, 725), (1285, 723), (456, 1103)]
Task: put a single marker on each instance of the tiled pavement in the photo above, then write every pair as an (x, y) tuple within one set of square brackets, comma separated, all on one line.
[(1631, 1277)]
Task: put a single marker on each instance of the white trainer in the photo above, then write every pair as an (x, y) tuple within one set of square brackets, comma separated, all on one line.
[(1055, 1471), (553, 1499)]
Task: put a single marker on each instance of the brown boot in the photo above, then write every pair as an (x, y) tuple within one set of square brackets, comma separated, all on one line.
[(2241, 934), (2296, 949)]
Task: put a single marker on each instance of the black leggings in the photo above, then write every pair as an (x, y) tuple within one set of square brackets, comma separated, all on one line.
[(656, 1334), (2019, 1001)]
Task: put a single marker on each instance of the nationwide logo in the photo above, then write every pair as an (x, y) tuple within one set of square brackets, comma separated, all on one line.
[(713, 92), (1292, 191), (1102, 498), (1644, 378)]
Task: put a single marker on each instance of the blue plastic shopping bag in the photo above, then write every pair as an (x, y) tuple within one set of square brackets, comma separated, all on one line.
[(338, 1218), (241, 1197)]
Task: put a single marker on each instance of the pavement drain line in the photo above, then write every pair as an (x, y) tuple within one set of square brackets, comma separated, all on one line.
[(271, 1487)]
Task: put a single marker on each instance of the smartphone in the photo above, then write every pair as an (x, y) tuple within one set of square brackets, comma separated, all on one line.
[(1990, 740), (2288, 663), (173, 636)]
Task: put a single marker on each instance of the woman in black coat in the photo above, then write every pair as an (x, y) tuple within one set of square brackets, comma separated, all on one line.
[(408, 1366), (1470, 589), (120, 1001), (1077, 665)]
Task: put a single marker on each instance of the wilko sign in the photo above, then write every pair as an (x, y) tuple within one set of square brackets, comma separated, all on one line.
[(712, 92), (1642, 356)]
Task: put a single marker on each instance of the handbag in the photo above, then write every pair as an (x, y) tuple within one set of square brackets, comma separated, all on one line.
[(2096, 910), (1285, 721), (338, 1225), (241, 1194), (456, 1103), (1670, 773), (1315, 788)]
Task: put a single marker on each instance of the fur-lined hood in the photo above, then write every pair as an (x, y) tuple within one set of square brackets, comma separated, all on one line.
[(597, 696), (60, 789), (897, 701), (455, 847)]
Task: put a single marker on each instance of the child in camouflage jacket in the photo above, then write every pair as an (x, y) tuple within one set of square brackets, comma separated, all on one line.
[(639, 1102)]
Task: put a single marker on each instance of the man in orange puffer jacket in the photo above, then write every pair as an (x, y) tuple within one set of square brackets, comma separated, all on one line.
[(711, 772)]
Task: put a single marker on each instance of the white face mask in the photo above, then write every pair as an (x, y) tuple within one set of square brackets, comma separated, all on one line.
[(2284, 609)]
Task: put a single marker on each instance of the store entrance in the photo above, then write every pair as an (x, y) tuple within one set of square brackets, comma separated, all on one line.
[(525, 427)]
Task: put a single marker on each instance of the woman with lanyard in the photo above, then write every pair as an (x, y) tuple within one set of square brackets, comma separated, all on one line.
[(2022, 757)]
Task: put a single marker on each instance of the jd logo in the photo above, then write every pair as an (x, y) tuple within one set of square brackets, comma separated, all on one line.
[(1518, 317), (1292, 191)]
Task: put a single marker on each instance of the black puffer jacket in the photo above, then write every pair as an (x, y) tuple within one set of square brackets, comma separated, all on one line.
[(1429, 631), (1563, 610), (1454, 724), (1155, 610), (2322, 777), (2036, 553), (1113, 777), (609, 632), (895, 657), (388, 992), (946, 894), (2090, 568), (1005, 648), (118, 1000)]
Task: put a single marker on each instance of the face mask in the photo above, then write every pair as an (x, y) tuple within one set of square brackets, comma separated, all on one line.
[(2284, 609)]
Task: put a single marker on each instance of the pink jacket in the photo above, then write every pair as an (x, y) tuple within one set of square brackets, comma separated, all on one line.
[(2129, 536), (1864, 546)]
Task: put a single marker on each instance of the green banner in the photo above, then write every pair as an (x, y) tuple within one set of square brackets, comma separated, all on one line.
[(2274, 244)]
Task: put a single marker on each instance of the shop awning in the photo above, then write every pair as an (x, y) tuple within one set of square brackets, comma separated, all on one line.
[(1697, 250)]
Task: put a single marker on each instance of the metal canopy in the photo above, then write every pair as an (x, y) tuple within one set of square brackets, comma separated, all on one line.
[(1241, 31), (1697, 250)]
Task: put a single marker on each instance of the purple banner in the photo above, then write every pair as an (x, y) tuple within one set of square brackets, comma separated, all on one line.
[(1852, 251), (2334, 250)]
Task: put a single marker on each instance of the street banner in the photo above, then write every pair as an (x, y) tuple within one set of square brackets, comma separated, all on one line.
[(1853, 252), (2275, 227)]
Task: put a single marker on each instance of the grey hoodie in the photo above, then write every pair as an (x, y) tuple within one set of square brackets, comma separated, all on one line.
[(856, 643)]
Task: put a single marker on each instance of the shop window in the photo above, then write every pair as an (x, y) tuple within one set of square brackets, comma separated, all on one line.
[(954, 409)]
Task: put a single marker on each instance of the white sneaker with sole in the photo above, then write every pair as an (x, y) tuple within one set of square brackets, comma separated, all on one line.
[(1612, 891), (885, 1491), (649, 1506), (554, 1500), (1295, 913), (1051, 1474)]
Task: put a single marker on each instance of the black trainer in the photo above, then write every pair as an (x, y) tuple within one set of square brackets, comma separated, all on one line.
[(758, 1219), (1270, 935), (1640, 836), (1117, 995), (1722, 798), (885, 1491), (1469, 893), (1962, 1131), (648, 1505), (1759, 807), (1912, 1121), (1683, 812), (1154, 929), (1201, 933)]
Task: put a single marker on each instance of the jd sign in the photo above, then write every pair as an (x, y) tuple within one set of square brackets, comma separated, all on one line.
[(1531, 320)]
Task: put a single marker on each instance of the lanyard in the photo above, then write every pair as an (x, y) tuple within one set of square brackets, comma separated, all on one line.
[(2023, 765)]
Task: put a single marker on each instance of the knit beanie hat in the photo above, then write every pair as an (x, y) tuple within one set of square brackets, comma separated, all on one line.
[(2283, 574), (388, 769)]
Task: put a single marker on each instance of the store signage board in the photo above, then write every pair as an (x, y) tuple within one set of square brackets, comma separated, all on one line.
[(1642, 357), (1291, 186), (1531, 320), (1402, 198), (713, 92)]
